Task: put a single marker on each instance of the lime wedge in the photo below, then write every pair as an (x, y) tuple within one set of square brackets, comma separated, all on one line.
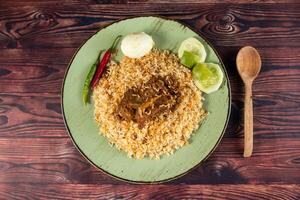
[(189, 59), (207, 77), (192, 45)]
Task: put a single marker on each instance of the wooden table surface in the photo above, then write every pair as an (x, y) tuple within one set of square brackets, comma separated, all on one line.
[(37, 157)]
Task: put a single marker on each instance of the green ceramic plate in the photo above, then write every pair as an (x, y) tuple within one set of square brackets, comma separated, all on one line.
[(83, 130)]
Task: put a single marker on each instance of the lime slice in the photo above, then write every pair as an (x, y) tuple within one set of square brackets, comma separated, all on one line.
[(194, 46), (207, 77), (189, 59)]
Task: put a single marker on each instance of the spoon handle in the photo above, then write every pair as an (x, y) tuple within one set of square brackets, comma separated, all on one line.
[(248, 121)]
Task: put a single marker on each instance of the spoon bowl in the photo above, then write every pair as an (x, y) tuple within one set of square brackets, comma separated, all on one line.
[(248, 63)]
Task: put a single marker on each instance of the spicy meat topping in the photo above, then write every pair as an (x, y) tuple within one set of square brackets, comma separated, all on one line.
[(156, 97)]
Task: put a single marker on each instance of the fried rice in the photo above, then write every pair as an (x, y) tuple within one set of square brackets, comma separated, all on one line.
[(160, 136)]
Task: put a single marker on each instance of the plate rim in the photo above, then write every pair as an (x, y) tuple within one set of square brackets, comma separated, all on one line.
[(179, 175)]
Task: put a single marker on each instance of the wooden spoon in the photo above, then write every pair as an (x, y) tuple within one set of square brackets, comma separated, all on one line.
[(248, 63)]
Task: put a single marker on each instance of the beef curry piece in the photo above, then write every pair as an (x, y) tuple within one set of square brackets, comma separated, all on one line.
[(156, 97)]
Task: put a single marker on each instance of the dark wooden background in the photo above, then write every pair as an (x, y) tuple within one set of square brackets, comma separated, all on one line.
[(38, 159)]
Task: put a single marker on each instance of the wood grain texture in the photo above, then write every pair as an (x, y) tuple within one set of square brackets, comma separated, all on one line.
[(223, 24), (248, 64), (31, 115), (179, 2), (153, 192), (39, 161), (36, 78), (218, 1), (33, 70), (42, 70), (55, 160)]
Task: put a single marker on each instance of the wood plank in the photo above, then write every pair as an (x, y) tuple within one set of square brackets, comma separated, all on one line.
[(132, 192), (38, 115), (55, 160), (92, 2), (216, 1), (279, 57), (267, 165), (270, 121), (38, 70), (38, 160), (31, 115), (26, 71), (223, 24), (41, 70)]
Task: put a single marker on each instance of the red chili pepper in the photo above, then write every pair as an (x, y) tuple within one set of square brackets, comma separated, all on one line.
[(103, 63)]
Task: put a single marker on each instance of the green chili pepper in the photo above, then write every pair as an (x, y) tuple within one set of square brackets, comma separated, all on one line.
[(88, 79)]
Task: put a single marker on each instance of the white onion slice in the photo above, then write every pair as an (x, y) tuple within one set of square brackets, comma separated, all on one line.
[(136, 45)]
